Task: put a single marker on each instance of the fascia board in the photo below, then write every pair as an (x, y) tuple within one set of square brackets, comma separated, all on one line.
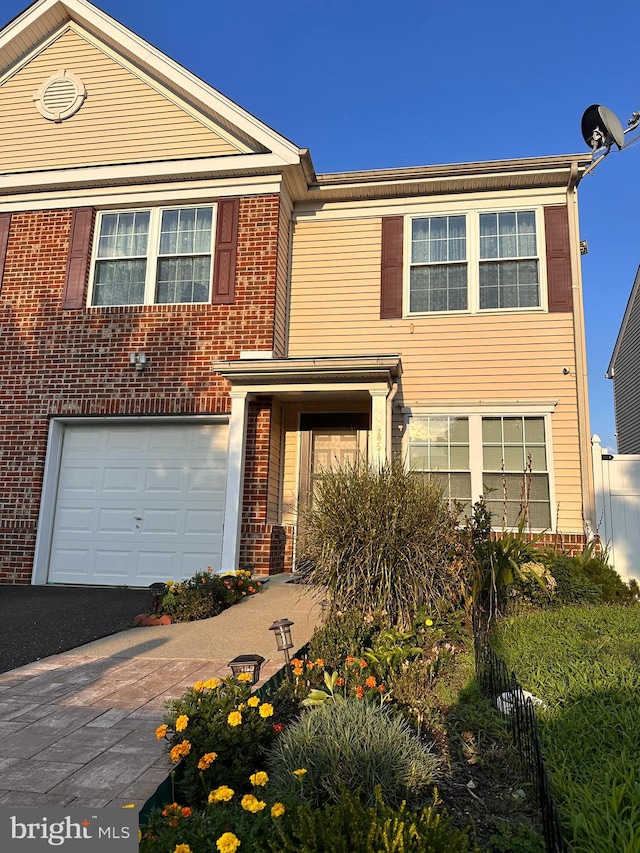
[(633, 296), (135, 172), (98, 22)]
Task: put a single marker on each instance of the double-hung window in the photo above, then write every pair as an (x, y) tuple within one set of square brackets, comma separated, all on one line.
[(155, 256), (508, 260), (504, 458), (438, 277), (473, 262)]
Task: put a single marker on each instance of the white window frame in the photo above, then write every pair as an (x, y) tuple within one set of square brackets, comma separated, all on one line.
[(475, 414), (152, 256), (472, 217)]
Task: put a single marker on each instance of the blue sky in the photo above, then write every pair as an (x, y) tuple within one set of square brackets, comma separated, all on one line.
[(368, 85)]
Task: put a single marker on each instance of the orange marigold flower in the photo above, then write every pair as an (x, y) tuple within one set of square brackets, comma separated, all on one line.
[(381, 688), (350, 659), (363, 663), (161, 731), (207, 760), (359, 692), (340, 681), (297, 670), (371, 681), (320, 663)]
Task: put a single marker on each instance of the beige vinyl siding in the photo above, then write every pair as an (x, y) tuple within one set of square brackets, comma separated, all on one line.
[(626, 385), (448, 360), (122, 119), (282, 279)]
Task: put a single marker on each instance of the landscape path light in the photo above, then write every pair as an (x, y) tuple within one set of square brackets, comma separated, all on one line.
[(247, 663), (282, 630)]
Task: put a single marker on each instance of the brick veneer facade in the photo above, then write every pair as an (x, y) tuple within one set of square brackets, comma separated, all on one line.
[(76, 362)]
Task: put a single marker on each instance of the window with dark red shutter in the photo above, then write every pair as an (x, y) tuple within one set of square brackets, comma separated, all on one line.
[(5, 223), (391, 268), (559, 279), (224, 271), (78, 258)]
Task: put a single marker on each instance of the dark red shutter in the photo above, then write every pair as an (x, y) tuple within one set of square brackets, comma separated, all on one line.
[(78, 258), (224, 270), (559, 278), (391, 268), (5, 222)]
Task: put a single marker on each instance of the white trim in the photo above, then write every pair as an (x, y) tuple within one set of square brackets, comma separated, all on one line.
[(188, 192), (489, 408), (236, 456), (204, 167), (447, 202), (53, 460)]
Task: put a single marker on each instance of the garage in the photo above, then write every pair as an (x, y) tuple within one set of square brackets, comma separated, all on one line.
[(137, 503)]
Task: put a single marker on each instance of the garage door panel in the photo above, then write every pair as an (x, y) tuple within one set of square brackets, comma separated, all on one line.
[(122, 486)]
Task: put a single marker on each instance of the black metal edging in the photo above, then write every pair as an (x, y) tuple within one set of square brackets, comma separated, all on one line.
[(494, 681), (164, 793)]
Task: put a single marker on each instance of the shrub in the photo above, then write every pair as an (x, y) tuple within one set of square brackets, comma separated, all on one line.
[(220, 733), (381, 540), (373, 749), (205, 594), (343, 635), (378, 828)]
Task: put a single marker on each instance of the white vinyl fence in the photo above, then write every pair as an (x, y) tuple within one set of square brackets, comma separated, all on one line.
[(617, 489)]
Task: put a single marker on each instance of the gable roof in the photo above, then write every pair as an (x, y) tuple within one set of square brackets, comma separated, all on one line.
[(628, 312), (27, 32)]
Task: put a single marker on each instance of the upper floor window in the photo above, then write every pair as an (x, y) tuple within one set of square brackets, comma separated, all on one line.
[(474, 262), (156, 256)]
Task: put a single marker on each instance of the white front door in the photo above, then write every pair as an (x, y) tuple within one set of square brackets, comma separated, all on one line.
[(138, 503)]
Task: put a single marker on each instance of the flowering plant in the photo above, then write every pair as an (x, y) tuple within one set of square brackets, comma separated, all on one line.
[(217, 730), (353, 679), (205, 594)]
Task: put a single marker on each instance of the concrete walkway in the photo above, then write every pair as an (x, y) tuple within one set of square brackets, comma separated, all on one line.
[(78, 728)]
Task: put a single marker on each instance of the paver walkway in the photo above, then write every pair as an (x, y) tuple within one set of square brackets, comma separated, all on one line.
[(78, 729)]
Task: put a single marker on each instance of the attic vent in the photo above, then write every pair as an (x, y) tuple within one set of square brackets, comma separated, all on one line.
[(60, 97)]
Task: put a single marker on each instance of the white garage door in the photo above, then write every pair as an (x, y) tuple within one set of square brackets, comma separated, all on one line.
[(138, 503)]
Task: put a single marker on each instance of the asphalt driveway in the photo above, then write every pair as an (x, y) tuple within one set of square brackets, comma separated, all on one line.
[(38, 621)]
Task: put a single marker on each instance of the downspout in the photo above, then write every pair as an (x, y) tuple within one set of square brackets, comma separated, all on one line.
[(580, 350)]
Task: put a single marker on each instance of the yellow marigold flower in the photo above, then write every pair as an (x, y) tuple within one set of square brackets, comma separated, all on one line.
[(320, 663), (139, 835), (212, 683), (252, 804), (234, 718), (228, 843), (277, 810), (245, 676), (182, 722), (198, 686), (259, 779), (221, 794), (161, 731), (207, 760), (253, 702), (266, 710), (428, 622), (299, 773), (182, 848)]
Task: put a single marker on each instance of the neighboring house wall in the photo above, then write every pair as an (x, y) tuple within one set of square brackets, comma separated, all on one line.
[(454, 361), (60, 363), (625, 372)]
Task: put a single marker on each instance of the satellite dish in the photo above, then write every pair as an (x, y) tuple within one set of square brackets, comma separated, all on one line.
[(601, 128)]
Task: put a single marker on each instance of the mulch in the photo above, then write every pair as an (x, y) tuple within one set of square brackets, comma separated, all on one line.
[(38, 621)]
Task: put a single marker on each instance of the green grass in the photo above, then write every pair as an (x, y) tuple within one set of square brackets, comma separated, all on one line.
[(583, 662)]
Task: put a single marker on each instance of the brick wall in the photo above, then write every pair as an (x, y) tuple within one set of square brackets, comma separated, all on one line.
[(56, 362)]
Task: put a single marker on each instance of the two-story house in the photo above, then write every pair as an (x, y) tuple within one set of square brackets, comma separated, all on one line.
[(193, 323)]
